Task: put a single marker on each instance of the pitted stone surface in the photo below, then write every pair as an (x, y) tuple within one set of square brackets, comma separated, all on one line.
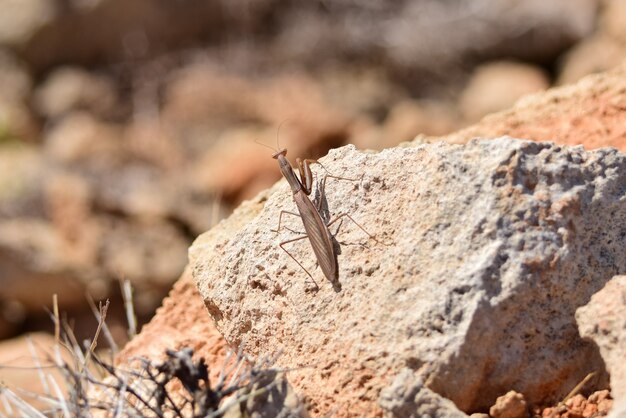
[(483, 253)]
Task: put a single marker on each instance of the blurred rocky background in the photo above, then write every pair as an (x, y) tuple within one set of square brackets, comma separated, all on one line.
[(128, 128)]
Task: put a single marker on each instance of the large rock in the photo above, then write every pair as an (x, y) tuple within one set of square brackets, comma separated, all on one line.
[(483, 252), (603, 320)]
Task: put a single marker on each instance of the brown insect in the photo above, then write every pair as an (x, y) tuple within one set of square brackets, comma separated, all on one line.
[(316, 229)]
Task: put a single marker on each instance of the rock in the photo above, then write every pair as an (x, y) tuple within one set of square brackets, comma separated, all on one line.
[(279, 401), (497, 86), (72, 89), (407, 396), (444, 289), (593, 55), (603, 320), (511, 405), (590, 112)]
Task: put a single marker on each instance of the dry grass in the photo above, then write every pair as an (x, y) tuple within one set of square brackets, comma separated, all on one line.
[(91, 386)]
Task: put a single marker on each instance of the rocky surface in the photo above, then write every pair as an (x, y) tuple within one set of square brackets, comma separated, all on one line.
[(512, 230), (533, 120), (603, 320), (509, 405)]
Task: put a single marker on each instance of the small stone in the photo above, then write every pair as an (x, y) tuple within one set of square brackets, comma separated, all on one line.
[(605, 405), (599, 396), (511, 405), (576, 402), (590, 409)]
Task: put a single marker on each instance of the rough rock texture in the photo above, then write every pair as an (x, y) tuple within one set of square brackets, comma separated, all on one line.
[(477, 245), (603, 320), (588, 113), (597, 405), (510, 405), (409, 397)]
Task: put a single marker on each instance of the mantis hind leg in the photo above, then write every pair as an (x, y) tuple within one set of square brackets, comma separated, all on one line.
[(345, 215), (294, 259), (280, 220)]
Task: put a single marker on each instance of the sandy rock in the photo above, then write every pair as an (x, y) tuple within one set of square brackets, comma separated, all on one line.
[(408, 396), (497, 86), (597, 405), (516, 218), (72, 89), (603, 320), (511, 405), (590, 112), (593, 55)]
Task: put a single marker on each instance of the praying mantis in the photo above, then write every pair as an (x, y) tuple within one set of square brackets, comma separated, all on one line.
[(316, 229)]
